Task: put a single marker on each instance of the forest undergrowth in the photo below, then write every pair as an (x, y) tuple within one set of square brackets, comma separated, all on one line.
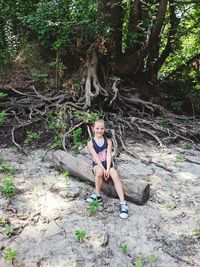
[(32, 115)]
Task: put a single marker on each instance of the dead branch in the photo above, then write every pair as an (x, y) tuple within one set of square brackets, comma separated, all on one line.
[(69, 131)]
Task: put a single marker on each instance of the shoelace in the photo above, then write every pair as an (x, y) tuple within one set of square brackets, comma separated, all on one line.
[(124, 207)]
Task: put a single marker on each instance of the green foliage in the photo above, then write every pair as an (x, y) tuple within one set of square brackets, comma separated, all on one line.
[(2, 117), (188, 44), (93, 206), (31, 136), (80, 235), (5, 59), (3, 96), (66, 175), (177, 71), (2, 221), (113, 78), (8, 230), (6, 168), (77, 81), (187, 145), (87, 116), (76, 137), (7, 187), (145, 261), (124, 248), (10, 255), (171, 206), (57, 143), (57, 125), (138, 262), (55, 22), (179, 158), (64, 30), (40, 77)]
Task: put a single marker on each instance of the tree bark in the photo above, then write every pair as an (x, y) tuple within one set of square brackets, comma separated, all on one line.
[(174, 22), (79, 166), (154, 39)]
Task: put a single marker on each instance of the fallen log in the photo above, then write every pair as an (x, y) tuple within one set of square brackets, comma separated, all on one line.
[(80, 166)]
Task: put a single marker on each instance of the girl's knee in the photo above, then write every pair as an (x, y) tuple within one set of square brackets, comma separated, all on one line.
[(114, 175), (99, 172)]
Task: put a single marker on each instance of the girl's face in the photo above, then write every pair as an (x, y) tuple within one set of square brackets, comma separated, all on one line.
[(99, 129)]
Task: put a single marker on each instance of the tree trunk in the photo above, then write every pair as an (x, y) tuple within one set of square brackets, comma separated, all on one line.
[(154, 40), (135, 191)]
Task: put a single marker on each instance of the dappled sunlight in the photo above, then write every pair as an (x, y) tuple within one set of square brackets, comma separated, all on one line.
[(184, 176)]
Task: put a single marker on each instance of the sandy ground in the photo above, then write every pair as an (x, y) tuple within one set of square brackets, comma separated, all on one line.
[(48, 209)]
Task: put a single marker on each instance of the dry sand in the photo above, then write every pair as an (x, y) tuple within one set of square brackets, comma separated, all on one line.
[(48, 209)]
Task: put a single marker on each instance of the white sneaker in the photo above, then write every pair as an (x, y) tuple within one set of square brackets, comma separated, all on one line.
[(123, 208), (93, 197)]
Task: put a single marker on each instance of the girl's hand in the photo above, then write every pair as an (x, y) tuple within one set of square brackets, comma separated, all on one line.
[(106, 174)]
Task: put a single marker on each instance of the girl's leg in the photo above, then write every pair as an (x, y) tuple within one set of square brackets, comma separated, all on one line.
[(117, 183), (98, 171)]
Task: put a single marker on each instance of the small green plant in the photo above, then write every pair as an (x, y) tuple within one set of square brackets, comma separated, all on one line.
[(124, 248), (171, 206), (8, 188), (113, 78), (80, 235), (76, 137), (187, 146), (87, 116), (7, 230), (36, 190), (57, 143), (139, 261), (2, 117), (66, 175), (7, 169), (31, 136), (40, 77), (145, 261), (2, 221), (77, 81), (10, 255), (3, 96), (93, 206), (179, 158), (196, 231)]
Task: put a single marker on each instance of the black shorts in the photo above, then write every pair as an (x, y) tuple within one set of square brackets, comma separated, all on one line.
[(104, 163)]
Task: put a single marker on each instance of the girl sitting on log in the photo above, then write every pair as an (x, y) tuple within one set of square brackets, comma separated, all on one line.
[(101, 151)]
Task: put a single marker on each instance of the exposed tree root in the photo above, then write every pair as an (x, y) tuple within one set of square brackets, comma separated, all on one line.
[(127, 116)]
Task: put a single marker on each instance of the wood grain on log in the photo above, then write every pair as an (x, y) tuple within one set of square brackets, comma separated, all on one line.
[(80, 166)]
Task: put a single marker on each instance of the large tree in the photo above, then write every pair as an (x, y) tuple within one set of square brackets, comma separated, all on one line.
[(106, 56)]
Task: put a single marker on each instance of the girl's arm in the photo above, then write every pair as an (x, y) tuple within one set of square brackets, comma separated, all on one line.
[(94, 154), (109, 154)]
